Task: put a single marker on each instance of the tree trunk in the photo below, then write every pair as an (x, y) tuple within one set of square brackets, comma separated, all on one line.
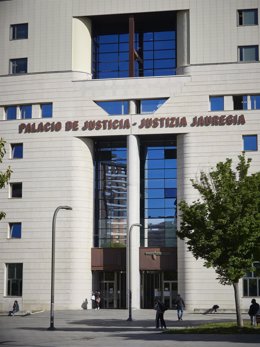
[(237, 302)]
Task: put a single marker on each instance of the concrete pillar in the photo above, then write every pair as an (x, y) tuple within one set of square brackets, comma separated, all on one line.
[(183, 39), (133, 215)]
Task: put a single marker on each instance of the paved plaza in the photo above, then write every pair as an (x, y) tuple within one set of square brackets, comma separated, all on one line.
[(110, 328)]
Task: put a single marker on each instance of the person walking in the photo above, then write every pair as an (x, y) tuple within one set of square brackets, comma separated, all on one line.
[(159, 318), (253, 310), (180, 306)]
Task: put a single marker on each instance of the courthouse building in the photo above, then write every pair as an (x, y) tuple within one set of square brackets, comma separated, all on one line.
[(111, 107)]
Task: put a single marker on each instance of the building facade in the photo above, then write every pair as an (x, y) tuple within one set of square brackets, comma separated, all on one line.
[(111, 108)]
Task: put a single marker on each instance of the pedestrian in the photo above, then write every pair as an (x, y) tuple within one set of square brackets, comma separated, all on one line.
[(159, 318), (93, 300), (15, 308), (180, 306), (98, 300), (253, 310)]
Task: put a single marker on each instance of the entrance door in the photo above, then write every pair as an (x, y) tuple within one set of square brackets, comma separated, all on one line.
[(109, 294), (169, 293)]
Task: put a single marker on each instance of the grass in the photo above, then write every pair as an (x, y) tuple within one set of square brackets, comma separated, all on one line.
[(217, 328)]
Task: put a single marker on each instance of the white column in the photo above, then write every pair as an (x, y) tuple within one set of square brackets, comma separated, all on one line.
[(133, 217), (183, 39)]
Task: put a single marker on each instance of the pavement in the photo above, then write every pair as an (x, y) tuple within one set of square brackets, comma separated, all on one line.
[(110, 328)]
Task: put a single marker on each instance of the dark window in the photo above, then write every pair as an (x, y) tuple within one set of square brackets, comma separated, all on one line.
[(46, 110), (16, 190), (240, 102), (26, 111), (248, 53), (15, 230), (19, 31), (11, 112), (248, 17), (14, 279), (216, 103), (16, 150), (250, 142), (18, 66), (251, 281)]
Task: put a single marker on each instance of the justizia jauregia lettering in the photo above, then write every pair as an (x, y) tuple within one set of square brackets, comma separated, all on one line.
[(125, 123)]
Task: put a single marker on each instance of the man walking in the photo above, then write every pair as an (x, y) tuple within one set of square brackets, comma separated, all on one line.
[(180, 306)]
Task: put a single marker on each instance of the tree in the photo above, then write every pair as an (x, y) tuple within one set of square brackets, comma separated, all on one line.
[(222, 226), (4, 175)]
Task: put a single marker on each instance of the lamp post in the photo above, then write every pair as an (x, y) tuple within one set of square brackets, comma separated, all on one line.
[(129, 319), (53, 263)]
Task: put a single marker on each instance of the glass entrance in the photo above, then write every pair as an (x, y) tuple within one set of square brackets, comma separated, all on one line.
[(109, 294), (158, 284), (112, 286), (169, 293)]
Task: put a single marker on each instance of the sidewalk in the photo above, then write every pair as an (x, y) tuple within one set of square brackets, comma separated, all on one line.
[(110, 328)]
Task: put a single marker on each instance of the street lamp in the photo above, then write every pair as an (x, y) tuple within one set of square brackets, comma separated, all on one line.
[(53, 263), (129, 319)]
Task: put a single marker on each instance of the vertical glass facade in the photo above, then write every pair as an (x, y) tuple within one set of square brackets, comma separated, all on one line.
[(158, 193), (111, 194)]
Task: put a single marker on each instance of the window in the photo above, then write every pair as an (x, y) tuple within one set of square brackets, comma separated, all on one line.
[(19, 31), (16, 150), (151, 106), (216, 103), (15, 190), (255, 102), (240, 102), (14, 275), (154, 46), (26, 111), (18, 66), (46, 110), (248, 53), (251, 282), (248, 17), (122, 107), (15, 230), (250, 142), (114, 107), (11, 112)]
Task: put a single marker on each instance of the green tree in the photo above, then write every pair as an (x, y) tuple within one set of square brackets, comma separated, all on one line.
[(223, 226), (4, 175)]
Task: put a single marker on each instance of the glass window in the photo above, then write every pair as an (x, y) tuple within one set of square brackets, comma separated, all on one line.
[(15, 230), (15, 190), (216, 103), (151, 106), (250, 142), (240, 102), (111, 194), (46, 110), (248, 17), (114, 107), (16, 150), (255, 102), (18, 66), (26, 111), (19, 31), (14, 274), (248, 53), (11, 112), (155, 50)]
